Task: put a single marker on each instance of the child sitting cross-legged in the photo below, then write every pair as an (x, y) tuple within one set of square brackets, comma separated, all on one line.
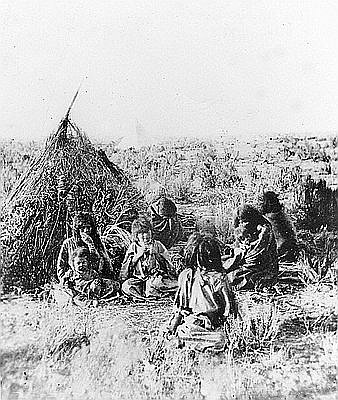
[(85, 282), (145, 272)]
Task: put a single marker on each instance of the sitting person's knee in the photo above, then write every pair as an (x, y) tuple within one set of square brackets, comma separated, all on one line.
[(126, 286), (220, 339)]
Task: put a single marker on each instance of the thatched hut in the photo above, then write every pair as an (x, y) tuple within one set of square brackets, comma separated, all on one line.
[(68, 175)]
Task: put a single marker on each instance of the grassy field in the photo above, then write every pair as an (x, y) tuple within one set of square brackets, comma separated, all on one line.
[(284, 346)]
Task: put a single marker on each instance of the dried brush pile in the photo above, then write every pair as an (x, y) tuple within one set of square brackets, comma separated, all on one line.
[(68, 176), (314, 205), (319, 251)]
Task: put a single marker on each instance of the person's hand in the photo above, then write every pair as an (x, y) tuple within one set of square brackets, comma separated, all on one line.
[(95, 286), (141, 251)]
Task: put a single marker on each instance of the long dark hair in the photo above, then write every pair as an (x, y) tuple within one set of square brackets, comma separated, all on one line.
[(248, 213), (85, 218), (270, 203), (203, 250)]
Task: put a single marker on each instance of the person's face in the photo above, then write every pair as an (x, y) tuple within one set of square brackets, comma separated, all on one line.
[(144, 238), (85, 229), (244, 225), (80, 264)]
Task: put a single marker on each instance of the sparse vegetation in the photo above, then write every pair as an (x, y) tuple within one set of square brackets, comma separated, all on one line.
[(112, 352), (284, 345)]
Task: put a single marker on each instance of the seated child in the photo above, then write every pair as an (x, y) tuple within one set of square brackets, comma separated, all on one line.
[(144, 271), (85, 282), (204, 298)]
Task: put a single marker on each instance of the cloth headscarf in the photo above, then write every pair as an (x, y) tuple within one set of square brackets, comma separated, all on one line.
[(270, 203), (166, 224), (166, 207)]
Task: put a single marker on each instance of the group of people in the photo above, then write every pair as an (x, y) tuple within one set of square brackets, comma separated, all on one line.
[(204, 290), (85, 270)]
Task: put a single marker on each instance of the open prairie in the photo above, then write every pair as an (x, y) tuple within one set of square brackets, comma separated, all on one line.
[(284, 346)]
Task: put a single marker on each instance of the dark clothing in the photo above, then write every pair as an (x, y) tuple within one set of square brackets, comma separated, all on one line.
[(166, 224), (255, 262), (285, 235)]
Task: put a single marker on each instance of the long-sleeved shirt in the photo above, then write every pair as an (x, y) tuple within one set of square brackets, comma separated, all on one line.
[(285, 235)]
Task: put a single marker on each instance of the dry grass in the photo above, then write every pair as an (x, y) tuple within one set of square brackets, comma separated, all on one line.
[(68, 175), (284, 346), (114, 352)]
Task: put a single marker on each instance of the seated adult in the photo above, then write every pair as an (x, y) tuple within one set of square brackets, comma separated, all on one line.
[(84, 282), (283, 230), (165, 222), (145, 272), (204, 298), (84, 235), (254, 263)]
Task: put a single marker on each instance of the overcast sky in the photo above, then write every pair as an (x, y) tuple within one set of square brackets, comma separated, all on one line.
[(183, 68)]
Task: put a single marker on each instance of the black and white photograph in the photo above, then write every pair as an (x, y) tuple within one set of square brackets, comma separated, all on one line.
[(168, 200)]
